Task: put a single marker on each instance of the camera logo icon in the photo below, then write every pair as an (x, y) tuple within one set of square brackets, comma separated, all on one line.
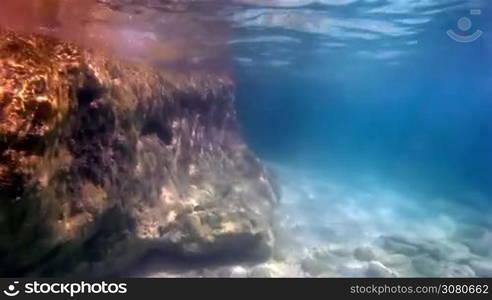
[(464, 25), (11, 290)]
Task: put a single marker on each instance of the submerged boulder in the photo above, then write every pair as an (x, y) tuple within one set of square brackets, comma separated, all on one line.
[(102, 161)]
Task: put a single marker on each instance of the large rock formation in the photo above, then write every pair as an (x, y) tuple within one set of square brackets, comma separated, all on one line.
[(103, 161)]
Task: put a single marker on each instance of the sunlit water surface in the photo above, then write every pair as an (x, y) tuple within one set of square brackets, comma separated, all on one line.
[(375, 120), (378, 124)]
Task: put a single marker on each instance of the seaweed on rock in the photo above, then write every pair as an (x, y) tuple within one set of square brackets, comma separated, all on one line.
[(103, 161)]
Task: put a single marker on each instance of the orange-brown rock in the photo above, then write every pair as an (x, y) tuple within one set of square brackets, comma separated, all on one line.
[(102, 161)]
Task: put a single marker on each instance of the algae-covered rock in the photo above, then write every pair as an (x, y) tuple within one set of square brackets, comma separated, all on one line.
[(102, 161)]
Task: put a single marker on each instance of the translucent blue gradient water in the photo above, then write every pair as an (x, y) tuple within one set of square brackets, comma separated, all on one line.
[(359, 116)]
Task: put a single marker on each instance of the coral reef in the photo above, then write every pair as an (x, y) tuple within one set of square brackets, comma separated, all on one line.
[(103, 161)]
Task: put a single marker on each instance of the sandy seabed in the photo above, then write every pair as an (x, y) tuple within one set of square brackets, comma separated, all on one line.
[(327, 229)]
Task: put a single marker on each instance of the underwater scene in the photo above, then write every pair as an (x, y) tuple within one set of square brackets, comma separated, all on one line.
[(246, 138)]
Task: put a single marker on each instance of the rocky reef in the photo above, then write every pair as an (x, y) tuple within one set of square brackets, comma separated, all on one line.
[(103, 161)]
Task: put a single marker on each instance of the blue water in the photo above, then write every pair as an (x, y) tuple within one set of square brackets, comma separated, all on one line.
[(375, 121), (369, 110), (418, 117)]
